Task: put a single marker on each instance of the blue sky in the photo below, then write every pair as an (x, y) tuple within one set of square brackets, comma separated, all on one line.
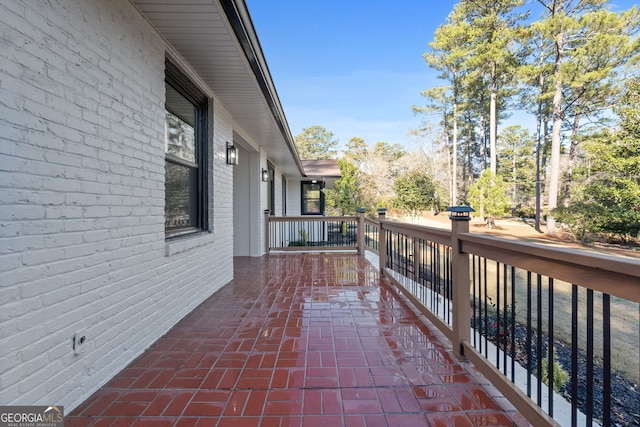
[(354, 67)]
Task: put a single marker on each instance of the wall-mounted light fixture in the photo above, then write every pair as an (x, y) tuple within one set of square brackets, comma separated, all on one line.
[(265, 175), (232, 154)]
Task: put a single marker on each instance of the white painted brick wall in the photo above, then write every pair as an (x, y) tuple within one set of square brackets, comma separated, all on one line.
[(294, 197), (82, 244)]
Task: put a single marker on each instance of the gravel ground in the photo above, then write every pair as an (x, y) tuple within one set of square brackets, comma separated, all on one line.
[(625, 395)]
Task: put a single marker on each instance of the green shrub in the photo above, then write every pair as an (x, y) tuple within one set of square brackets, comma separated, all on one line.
[(303, 236), (559, 375)]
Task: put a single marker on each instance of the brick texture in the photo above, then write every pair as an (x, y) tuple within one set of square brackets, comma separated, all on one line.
[(82, 244)]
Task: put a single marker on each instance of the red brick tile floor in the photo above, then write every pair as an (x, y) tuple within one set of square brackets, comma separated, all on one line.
[(312, 339)]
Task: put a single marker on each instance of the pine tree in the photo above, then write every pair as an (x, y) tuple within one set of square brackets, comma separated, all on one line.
[(575, 32), (415, 192), (494, 54), (489, 197), (346, 195), (315, 143), (609, 200)]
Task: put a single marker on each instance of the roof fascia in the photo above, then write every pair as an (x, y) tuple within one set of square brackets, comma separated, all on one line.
[(238, 16)]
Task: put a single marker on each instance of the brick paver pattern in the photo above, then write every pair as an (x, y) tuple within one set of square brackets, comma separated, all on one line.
[(312, 339)]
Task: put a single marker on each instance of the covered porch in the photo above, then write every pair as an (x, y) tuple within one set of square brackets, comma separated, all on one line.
[(304, 339)]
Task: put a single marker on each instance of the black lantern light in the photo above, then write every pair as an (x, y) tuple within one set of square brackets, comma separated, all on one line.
[(460, 213), (232, 154)]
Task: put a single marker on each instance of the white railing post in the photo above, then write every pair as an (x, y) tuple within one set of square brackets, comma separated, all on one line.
[(461, 310)]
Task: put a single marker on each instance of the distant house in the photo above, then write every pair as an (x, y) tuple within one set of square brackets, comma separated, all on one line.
[(119, 210), (320, 174)]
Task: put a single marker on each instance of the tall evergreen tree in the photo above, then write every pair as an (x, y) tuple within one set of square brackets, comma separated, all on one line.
[(438, 102), (346, 195), (609, 200), (415, 192), (488, 196), (315, 143), (597, 72), (516, 163), (447, 55), (575, 29), (495, 26), (356, 150), (535, 76)]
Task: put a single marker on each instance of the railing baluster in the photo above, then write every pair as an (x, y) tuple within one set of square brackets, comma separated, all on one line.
[(606, 359), (421, 270), (473, 299), (398, 253), (435, 277), (449, 285), (394, 248), (574, 356), (314, 231), (550, 348), (528, 344), (405, 242), (513, 323), (486, 317), (498, 339), (441, 279), (407, 262), (389, 249), (401, 256), (505, 319), (417, 253), (446, 285), (479, 321), (589, 402), (539, 343)]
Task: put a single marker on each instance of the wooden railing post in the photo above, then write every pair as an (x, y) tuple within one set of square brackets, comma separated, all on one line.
[(361, 235), (382, 241), (267, 227), (461, 310)]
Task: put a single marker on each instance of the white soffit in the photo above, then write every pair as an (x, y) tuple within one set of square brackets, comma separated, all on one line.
[(200, 31)]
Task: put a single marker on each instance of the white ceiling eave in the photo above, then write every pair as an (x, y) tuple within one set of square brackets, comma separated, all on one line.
[(218, 41)]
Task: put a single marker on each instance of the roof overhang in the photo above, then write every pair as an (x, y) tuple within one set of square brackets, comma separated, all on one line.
[(326, 170), (218, 40)]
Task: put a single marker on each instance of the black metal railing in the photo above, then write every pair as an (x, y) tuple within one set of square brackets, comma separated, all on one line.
[(538, 317), (552, 336), (371, 235), (541, 322), (305, 233), (427, 265)]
